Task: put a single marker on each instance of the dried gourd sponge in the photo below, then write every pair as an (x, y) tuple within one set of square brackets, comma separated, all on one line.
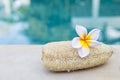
[(61, 56)]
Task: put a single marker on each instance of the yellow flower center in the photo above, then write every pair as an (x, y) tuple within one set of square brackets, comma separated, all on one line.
[(84, 40)]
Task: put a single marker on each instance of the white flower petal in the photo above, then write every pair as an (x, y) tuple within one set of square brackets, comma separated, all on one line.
[(83, 52), (81, 30), (94, 43), (94, 34), (76, 42)]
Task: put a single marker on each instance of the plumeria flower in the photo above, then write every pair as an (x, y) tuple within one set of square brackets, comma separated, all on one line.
[(85, 41)]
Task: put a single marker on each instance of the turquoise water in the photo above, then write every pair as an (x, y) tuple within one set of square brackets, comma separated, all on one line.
[(11, 33), (44, 21)]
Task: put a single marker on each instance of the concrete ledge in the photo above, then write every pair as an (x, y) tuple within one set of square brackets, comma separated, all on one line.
[(24, 63)]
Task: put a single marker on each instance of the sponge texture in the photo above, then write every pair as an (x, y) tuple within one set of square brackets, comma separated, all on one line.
[(60, 56)]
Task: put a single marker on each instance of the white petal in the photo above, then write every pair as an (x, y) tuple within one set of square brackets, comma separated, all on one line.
[(76, 42), (94, 34), (81, 30), (83, 52), (94, 43)]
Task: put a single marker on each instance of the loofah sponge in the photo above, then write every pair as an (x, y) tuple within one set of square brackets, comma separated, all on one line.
[(61, 56)]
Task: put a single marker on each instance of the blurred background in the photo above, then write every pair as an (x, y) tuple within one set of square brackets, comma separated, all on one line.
[(43, 21)]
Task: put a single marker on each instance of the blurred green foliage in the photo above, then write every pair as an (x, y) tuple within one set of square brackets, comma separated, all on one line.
[(48, 20), (7, 19)]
